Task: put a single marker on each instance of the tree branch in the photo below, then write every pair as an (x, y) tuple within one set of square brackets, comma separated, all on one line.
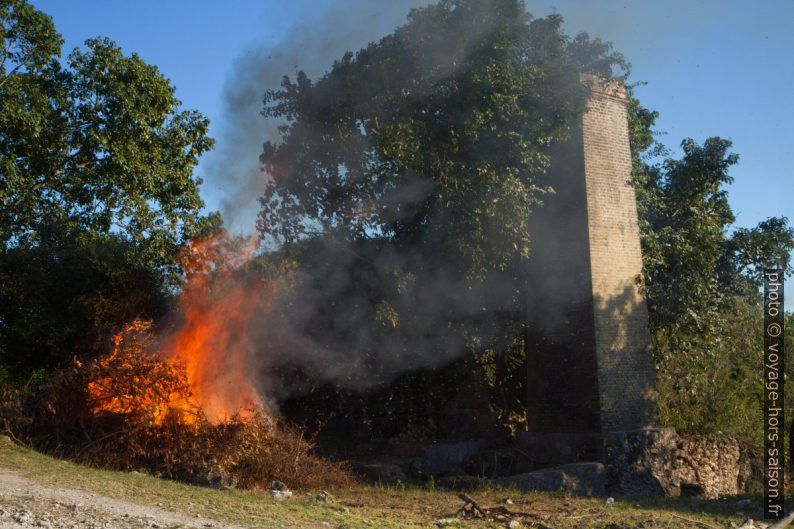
[(43, 182), (7, 52), (7, 77)]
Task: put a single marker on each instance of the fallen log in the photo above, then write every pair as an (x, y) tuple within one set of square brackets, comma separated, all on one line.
[(471, 508)]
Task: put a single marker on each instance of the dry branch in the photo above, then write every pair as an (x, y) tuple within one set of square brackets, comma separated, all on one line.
[(130, 410), (698, 522)]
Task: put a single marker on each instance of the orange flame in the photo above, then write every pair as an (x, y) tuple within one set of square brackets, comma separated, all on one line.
[(213, 341), (132, 381), (210, 345)]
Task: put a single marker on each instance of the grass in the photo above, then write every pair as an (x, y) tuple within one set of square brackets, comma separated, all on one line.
[(371, 506)]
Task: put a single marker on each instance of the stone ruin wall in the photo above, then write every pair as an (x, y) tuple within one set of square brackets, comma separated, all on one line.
[(662, 462)]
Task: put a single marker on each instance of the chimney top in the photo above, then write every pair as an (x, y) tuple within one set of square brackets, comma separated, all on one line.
[(607, 87)]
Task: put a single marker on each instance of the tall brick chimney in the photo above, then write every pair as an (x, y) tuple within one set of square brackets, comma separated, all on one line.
[(591, 370)]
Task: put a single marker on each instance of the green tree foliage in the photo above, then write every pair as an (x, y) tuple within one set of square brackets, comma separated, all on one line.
[(97, 191), (749, 250), (702, 278), (63, 297), (99, 143), (434, 135), (694, 268), (687, 214)]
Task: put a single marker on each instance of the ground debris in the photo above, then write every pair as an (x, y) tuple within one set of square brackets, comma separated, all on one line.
[(447, 522), (750, 524), (470, 509), (698, 522), (324, 497), (279, 491), (512, 519)]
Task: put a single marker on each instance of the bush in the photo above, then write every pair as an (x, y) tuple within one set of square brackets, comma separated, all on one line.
[(713, 382), (130, 410), (67, 295)]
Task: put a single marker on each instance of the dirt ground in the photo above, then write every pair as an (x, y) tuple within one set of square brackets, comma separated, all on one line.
[(24, 504)]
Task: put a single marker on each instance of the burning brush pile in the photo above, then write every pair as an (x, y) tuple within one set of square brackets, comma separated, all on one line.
[(180, 404)]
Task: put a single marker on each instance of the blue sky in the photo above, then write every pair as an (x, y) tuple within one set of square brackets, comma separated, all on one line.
[(714, 68)]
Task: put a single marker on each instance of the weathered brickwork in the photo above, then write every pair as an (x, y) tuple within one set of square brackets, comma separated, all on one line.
[(625, 364), (591, 369)]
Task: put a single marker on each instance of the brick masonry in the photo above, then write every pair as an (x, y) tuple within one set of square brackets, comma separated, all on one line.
[(590, 366)]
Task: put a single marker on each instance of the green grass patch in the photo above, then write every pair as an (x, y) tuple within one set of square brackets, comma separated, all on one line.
[(366, 506)]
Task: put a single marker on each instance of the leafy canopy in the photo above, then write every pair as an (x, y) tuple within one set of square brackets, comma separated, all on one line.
[(96, 191), (693, 266), (98, 144), (433, 136)]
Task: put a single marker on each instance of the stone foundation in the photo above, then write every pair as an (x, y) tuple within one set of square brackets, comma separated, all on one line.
[(639, 463), (649, 462), (545, 450), (660, 461), (713, 467), (642, 462)]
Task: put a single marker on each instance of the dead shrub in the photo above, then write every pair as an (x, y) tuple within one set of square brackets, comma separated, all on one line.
[(130, 410)]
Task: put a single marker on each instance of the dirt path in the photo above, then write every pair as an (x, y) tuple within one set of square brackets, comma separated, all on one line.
[(25, 504)]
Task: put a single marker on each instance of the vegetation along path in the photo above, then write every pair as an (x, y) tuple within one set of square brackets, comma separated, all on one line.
[(39, 491)]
